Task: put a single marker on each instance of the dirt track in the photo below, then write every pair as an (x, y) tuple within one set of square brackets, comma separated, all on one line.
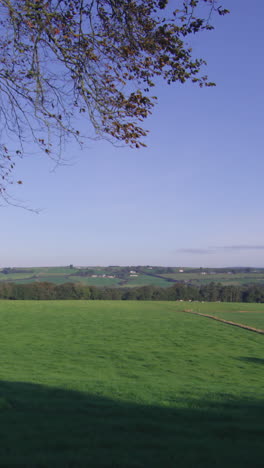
[(240, 325)]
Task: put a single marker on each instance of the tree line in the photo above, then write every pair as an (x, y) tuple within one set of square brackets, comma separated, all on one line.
[(211, 292)]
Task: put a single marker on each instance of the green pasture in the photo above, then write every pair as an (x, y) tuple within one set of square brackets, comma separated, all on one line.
[(50, 279), (59, 275), (236, 279), (16, 276), (145, 280), (214, 308), (252, 319), (46, 271), (99, 282), (52, 274), (245, 313), (127, 385)]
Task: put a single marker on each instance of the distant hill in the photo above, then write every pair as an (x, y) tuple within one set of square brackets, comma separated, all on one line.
[(133, 276)]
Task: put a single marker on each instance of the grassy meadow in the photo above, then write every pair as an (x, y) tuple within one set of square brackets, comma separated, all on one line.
[(129, 385), (245, 313), (235, 279), (252, 319)]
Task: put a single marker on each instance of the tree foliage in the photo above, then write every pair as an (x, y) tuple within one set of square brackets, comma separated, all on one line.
[(185, 292), (98, 58)]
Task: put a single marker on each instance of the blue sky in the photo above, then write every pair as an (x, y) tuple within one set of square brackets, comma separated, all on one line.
[(193, 197)]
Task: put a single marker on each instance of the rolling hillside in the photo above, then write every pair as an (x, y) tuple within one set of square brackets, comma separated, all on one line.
[(133, 276)]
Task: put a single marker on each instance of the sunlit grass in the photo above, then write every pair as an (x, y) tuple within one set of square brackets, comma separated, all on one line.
[(127, 384)]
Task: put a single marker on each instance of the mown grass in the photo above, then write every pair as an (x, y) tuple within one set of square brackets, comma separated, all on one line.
[(252, 319), (250, 314), (127, 384)]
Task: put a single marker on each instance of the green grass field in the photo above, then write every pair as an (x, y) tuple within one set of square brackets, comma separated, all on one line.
[(252, 319), (99, 282), (128, 385), (242, 313), (143, 280), (236, 279), (245, 313)]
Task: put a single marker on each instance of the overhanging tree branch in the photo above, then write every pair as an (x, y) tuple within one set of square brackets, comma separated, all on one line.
[(98, 58)]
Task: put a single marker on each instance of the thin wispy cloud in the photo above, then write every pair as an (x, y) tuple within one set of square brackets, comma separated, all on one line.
[(242, 247), (196, 251), (217, 249)]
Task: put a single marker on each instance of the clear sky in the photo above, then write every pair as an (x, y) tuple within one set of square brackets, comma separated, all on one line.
[(193, 197)]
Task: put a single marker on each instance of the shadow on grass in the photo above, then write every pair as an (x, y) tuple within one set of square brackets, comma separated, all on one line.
[(254, 360), (48, 427)]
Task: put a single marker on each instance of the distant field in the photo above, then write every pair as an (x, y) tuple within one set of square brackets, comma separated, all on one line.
[(100, 282), (143, 280), (146, 276), (15, 276), (235, 279), (128, 385), (55, 270)]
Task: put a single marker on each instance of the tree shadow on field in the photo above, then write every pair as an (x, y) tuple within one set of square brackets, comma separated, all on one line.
[(253, 360), (53, 428)]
